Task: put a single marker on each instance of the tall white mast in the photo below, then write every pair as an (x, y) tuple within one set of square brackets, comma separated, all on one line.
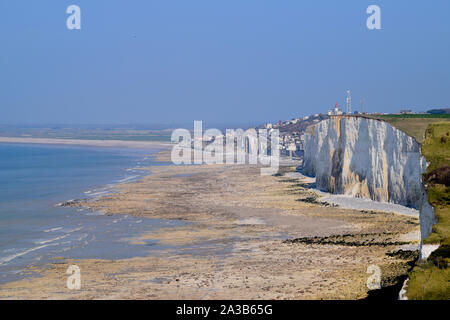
[(349, 102)]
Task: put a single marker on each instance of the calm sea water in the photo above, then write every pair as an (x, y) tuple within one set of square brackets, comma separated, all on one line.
[(33, 178)]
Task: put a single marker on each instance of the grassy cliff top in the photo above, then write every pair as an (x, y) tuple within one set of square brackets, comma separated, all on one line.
[(413, 125), (431, 280), (436, 149)]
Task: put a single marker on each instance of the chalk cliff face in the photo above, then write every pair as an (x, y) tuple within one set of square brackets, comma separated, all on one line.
[(365, 158), (370, 159)]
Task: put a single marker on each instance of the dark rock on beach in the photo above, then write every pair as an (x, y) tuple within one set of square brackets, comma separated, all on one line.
[(70, 203)]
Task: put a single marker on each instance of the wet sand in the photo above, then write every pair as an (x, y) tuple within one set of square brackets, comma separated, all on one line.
[(234, 246), (90, 143)]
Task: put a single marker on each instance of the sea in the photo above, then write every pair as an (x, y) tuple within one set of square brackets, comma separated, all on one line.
[(34, 231)]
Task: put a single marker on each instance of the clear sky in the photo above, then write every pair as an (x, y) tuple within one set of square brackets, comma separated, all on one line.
[(224, 61)]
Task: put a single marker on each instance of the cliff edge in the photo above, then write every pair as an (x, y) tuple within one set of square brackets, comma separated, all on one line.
[(371, 159)]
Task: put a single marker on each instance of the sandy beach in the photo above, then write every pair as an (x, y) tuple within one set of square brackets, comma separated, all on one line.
[(90, 143), (248, 237)]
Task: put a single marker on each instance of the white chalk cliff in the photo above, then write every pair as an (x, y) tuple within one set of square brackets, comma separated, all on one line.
[(370, 159)]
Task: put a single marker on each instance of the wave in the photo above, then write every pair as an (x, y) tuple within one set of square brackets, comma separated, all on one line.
[(53, 229), (127, 179), (99, 193), (51, 240), (76, 229), (12, 257)]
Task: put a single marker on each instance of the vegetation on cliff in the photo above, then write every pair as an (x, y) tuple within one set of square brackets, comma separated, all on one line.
[(431, 279), (413, 124)]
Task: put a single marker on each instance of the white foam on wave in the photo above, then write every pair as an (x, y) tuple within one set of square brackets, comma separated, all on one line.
[(51, 240), (250, 221), (20, 254), (99, 193), (76, 229), (128, 178), (83, 236), (96, 213), (53, 229)]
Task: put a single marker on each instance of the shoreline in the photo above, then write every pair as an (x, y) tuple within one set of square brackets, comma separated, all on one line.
[(234, 244), (44, 244), (90, 143)]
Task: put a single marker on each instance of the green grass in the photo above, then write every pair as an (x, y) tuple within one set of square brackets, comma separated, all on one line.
[(429, 282), (432, 279), (412, 116), (436, 150), (441, 230), (413, 124), (436, 147)]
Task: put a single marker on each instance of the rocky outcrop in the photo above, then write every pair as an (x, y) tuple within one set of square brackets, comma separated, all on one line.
[(368, 158)]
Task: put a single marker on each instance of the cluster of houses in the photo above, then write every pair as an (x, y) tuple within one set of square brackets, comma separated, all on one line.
[(292, 144), (292, 133), (281, 124)]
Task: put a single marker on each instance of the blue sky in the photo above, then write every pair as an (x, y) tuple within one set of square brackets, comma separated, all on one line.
[(232, 61)]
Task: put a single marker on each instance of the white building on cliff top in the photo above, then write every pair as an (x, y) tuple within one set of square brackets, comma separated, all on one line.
[(335, 111)]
